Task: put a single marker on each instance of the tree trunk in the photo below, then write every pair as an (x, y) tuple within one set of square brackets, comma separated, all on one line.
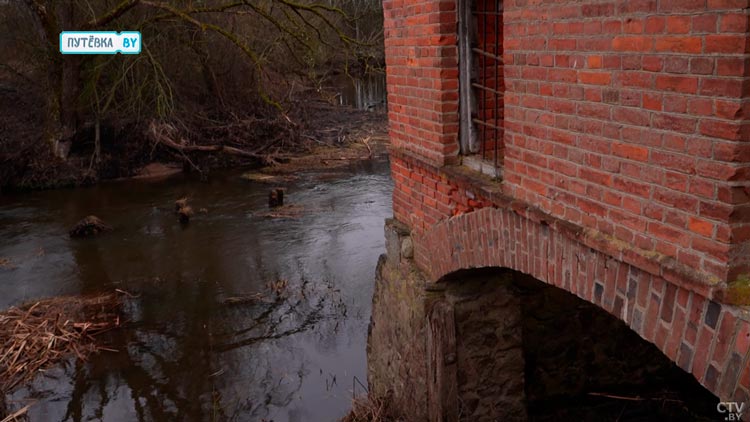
[(63, 74), (52, 119)]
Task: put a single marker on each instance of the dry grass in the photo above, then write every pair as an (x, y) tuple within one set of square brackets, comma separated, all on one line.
[(371, 409), (39, 335)]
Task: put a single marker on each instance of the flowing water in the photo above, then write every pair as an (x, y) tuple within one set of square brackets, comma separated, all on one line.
[(199, 343)]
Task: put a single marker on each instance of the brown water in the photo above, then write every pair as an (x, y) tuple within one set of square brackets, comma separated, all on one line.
[(190, 351)]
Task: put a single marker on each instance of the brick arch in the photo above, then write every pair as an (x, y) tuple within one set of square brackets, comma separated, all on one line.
[(705, 338)]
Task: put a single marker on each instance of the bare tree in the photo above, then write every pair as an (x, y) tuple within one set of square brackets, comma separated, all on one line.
[(186, 47)]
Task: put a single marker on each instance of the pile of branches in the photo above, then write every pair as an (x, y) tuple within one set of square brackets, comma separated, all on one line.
[(264, 137), (38, 336)]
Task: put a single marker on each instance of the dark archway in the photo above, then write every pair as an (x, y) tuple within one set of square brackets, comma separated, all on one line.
[(704, 337), (525, 349)]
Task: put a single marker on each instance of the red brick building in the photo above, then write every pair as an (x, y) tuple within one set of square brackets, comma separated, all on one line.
[(600, 146)]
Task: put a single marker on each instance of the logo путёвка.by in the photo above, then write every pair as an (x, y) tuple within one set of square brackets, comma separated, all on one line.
[(732, 411)]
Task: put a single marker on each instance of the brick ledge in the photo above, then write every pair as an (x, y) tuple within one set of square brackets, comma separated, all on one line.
[(654, 263)]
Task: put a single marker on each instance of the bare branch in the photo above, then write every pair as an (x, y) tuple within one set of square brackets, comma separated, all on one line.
[(112, 15)]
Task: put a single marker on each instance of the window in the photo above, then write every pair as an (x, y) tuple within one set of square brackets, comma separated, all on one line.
[(481, 85)]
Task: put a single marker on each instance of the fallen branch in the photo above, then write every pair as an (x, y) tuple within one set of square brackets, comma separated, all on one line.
[(161, 134), (367, 144), (637, 398)]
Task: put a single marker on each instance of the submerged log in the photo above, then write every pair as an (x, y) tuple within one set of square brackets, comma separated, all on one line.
[(88, 227), (276, 198)]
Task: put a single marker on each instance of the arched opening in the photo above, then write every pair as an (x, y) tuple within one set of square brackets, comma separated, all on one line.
[(525, 350)]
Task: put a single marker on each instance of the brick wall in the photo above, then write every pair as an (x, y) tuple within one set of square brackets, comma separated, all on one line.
[(629, 117), (626, 174), (422, 78)]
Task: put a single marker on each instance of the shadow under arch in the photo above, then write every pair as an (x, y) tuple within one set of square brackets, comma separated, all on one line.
[(526, 350)]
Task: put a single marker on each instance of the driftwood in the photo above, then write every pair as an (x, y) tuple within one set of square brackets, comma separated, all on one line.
[(164, 133), (89, 226)]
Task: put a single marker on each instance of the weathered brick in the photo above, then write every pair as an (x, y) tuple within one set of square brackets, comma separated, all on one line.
[(626, 119)]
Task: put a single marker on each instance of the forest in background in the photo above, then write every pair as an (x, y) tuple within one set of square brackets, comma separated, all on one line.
[(217, 83)]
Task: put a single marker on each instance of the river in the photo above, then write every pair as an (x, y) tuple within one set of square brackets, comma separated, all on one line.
[(198, 343)]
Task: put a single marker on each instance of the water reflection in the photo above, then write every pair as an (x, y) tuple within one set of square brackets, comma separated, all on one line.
[(200, 345)]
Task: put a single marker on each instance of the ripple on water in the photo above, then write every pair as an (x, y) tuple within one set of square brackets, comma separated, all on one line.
[(187, 352)]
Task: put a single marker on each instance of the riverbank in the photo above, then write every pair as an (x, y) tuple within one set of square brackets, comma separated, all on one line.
[(311, 134)]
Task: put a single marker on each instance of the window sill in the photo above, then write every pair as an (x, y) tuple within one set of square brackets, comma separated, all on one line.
[(485, 167)]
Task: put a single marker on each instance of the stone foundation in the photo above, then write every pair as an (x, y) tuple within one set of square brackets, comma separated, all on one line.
[(444, 352), (494, 344)]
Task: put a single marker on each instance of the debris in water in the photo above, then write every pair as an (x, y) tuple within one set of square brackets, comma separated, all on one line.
[(180, 204), (268, 178), (286, 211), (6, 264), (15, 415), (89, 226), (40, 335), (183, 210), (185, 213), (279, 286), (276, 198), (243, 300)]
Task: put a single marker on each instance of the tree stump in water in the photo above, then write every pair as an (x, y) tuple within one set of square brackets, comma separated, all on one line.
[(185, 213), (183, 210), (88, 227), (276, 198), (180, 203)]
